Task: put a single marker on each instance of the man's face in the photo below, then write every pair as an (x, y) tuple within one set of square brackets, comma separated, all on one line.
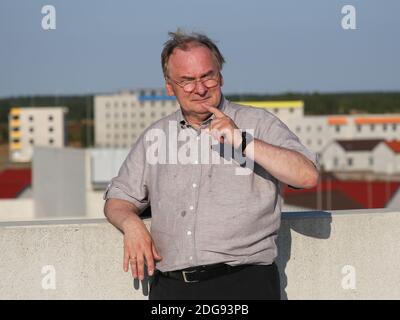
[(197, 63)]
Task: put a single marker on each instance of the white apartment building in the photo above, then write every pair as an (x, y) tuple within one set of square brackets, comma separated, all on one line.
[(36, 126), (120, 118), (369, 155)]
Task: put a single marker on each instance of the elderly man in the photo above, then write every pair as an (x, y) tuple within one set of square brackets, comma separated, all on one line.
[(214, 227)]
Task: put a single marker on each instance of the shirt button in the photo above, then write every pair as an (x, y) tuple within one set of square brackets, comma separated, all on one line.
[(189, 233), (190, 258), (194, 185), (196, 162), (191, 207), (198, 137)]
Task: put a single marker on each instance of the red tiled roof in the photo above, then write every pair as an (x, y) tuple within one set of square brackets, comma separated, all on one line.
[(374, 194), (394, 145), (13, 182)]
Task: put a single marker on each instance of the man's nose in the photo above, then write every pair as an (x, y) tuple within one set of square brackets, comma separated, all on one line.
[(200, 88)]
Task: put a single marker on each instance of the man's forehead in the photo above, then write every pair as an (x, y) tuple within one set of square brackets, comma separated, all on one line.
[(199, 57)]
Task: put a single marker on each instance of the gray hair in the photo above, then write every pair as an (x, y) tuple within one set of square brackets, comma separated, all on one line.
[(184, 41)]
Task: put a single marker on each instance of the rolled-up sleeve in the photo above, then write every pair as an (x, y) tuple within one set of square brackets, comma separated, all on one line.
[(131, 183)]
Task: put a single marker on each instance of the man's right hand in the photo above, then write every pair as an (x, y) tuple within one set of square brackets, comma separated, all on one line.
[(139, 248)]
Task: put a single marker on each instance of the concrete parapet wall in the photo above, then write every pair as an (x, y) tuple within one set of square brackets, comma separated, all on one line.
[(323, 255)]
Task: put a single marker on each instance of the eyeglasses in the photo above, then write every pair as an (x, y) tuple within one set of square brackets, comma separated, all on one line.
[(189, 85)]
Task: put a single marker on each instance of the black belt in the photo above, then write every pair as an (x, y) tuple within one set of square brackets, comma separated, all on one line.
[(201, 273)]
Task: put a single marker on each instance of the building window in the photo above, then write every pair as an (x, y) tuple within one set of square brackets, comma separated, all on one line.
[(142, 125), (133, 136), (153, 103), (107, 105), (394, 126), (153, 114), (371, 161), (163, 103), (133, 125), (116, 115), (350, 161), (123, 104), (276, 110), (359, 128), (298, 129), (51, 118), (116, 125), (116, 136), (132, 104), (309, 142), (31, 141), (319, 128), (384, 127), (30, 118), (15, 117), (308, 128), (133, 115), (319, 142), (372, 127), (15, 129), (51, 129), (108, 136), (337, 128), (51, 141), (163, 114), (15, 140), (108, 126), (125, 136), (115, 104), (142, 114), (107, 115), (291, 110), (124, 125), (335, 162)]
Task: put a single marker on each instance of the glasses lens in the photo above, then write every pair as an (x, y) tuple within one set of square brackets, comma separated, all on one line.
[(189, 87), (210, 83)]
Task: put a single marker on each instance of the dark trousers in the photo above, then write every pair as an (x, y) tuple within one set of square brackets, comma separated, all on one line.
[(253, 282)]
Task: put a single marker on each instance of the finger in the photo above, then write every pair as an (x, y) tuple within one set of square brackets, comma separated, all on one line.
[(126, 260), (218, 113), (155, 252), (149, 262), (140, 267), (134, 268)]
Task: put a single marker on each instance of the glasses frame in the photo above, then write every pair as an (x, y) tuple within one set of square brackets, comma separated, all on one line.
[(180, 84)]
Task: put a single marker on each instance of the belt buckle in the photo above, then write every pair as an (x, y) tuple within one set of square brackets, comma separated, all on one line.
[(184, 276)]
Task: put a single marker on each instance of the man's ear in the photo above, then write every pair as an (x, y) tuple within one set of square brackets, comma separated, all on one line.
[(222, 79), (169, 88)]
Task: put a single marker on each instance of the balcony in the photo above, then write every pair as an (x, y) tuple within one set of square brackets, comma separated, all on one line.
[(349, 254)]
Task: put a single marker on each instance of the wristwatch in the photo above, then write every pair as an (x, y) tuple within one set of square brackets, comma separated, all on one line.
[(247, 138)]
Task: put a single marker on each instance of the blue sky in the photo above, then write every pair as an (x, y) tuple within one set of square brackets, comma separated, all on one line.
[(270, 46)]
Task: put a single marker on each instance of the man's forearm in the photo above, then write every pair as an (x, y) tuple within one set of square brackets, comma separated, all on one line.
[(286, 165), (121, 214)]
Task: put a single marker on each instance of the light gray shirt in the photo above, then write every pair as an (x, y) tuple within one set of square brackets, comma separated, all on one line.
[(205, 212)]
